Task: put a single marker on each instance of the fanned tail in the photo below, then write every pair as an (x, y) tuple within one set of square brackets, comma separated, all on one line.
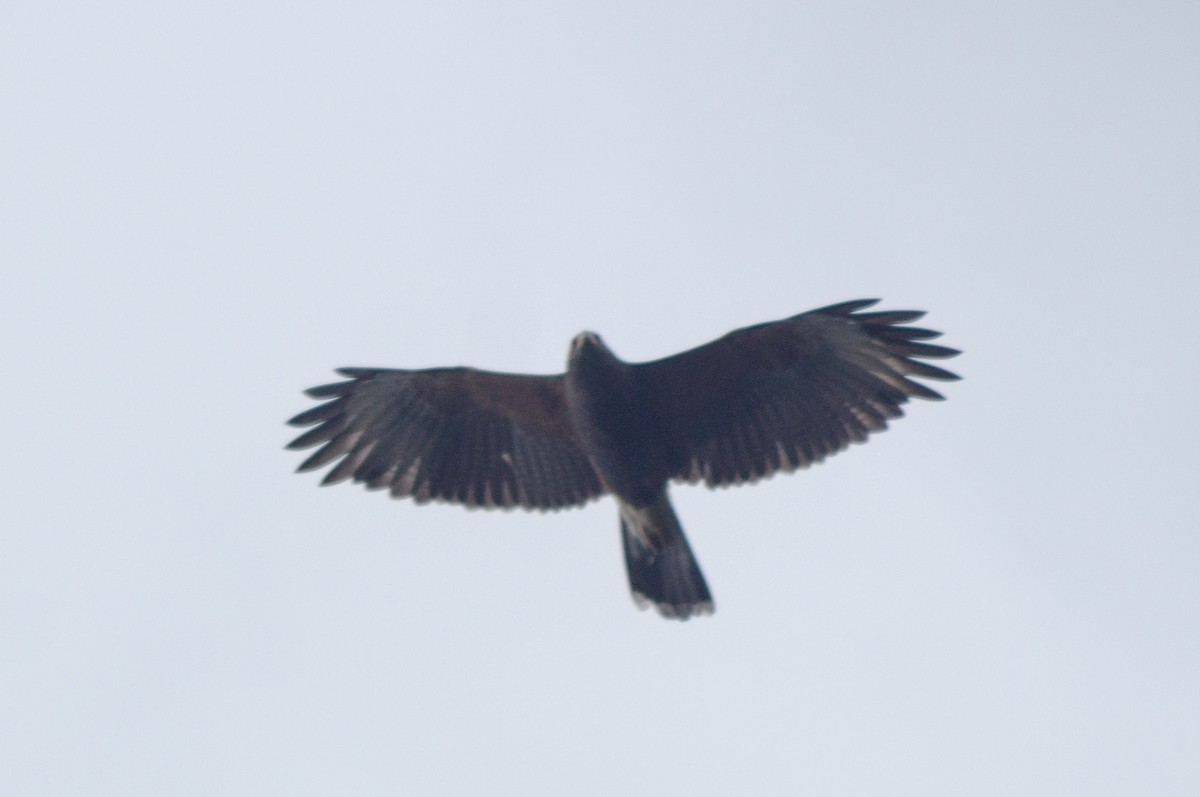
[(663, 572)]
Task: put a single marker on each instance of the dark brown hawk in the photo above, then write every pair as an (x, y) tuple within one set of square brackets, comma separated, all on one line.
[(767, 398)]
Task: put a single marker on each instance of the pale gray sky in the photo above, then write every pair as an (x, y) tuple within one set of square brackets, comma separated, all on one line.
[(208, 206)]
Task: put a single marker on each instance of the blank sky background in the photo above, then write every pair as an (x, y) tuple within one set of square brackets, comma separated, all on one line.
[(207, 206)]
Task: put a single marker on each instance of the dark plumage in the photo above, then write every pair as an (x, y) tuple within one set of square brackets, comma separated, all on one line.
[(767, 398)]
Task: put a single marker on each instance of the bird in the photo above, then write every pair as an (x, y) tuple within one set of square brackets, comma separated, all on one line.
[(764, 399)]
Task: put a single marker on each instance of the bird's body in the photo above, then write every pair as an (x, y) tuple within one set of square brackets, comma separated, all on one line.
[(618, 429), (768, 398), (621, 431)]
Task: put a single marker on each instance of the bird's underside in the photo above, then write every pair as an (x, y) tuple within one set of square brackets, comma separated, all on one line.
[(760, 400)]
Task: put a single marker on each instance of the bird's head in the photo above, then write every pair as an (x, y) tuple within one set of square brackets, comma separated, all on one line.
[(586, 346)]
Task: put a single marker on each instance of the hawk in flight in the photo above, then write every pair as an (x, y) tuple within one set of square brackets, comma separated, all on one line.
[(768, 398)]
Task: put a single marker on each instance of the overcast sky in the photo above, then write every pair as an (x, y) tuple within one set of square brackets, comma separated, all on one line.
[(208, 206)]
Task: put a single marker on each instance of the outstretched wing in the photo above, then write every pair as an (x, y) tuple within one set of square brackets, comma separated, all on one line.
[(782, 395), (470, 437)]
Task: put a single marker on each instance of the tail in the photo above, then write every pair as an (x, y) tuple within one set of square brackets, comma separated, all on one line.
[(662, 570)]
